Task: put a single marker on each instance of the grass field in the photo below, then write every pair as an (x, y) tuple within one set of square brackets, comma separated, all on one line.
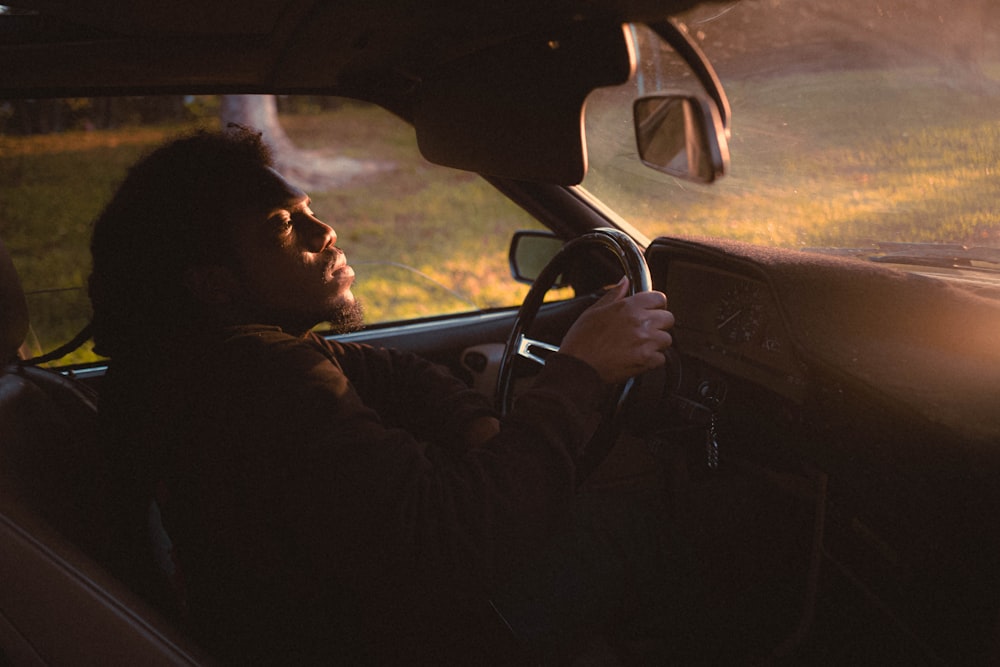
[(838, 159), (424, 240)]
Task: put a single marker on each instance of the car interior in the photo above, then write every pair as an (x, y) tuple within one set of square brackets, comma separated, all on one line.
[(824, 430), (55, 522)]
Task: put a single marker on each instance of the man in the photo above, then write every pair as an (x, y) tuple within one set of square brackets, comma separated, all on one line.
[(322, 500)]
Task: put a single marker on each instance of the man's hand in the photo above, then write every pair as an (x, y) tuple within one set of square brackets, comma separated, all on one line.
[(621, 336)]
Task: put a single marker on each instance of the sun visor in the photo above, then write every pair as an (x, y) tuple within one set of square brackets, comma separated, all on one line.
[(516, 111)]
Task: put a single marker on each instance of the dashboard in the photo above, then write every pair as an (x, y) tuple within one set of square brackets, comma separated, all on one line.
[(732, 322), (782, 319), (855, 408)]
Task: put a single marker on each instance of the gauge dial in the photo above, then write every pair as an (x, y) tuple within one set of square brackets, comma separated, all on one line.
[(740, 317)]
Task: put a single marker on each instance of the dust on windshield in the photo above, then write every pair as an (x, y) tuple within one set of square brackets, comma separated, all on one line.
[(854, 123)]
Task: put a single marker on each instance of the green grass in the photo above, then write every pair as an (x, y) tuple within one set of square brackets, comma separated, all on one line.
[(417, 215), (837, 159)]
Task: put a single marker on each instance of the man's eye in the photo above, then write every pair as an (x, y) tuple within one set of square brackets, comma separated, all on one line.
[(281, 224)]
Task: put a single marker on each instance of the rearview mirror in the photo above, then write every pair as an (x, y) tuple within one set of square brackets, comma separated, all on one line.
[(681, 135)]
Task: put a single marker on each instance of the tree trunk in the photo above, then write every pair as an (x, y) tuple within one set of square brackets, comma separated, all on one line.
[(309, 169)]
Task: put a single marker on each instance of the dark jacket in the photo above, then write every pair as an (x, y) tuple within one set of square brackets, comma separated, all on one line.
[(319, 495)]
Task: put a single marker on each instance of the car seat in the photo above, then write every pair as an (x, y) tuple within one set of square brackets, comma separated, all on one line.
[(58, 599), (49, 458)]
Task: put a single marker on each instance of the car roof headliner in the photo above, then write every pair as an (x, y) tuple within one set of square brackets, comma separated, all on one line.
[(359, 47), (492, 87)]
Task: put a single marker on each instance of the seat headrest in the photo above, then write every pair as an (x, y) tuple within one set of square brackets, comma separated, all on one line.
[(13, 309)]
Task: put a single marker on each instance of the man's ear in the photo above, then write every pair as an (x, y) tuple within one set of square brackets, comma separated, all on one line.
[(212, 284)]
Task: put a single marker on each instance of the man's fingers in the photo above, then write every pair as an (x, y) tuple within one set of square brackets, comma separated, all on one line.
[(654, 319), (613, 293), (650, 300), (647, 320), (621, 336)]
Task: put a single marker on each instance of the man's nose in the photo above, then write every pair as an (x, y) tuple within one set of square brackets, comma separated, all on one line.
[(322, 235)]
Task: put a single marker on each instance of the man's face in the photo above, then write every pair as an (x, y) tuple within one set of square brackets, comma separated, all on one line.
[(290, 271)]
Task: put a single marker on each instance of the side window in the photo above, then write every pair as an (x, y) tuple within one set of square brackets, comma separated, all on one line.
[(424, 240), (58, 168)]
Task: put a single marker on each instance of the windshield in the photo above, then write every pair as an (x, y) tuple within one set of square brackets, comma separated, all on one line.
[(856, 124)]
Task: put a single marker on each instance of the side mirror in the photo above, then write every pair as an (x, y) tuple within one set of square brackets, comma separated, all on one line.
[(681, 135), (530, 252)]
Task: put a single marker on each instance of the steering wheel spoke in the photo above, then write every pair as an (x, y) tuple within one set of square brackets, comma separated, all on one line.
[(526, 348)]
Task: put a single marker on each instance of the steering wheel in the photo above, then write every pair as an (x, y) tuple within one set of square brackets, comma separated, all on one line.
[(519, 344)]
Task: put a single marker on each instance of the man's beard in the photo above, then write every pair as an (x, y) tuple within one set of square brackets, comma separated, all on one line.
[(345, 317)]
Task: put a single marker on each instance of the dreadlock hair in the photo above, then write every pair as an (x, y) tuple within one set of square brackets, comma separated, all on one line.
[(173, 211)]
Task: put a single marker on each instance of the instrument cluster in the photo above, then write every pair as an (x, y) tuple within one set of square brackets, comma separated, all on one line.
[(732, 321)]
